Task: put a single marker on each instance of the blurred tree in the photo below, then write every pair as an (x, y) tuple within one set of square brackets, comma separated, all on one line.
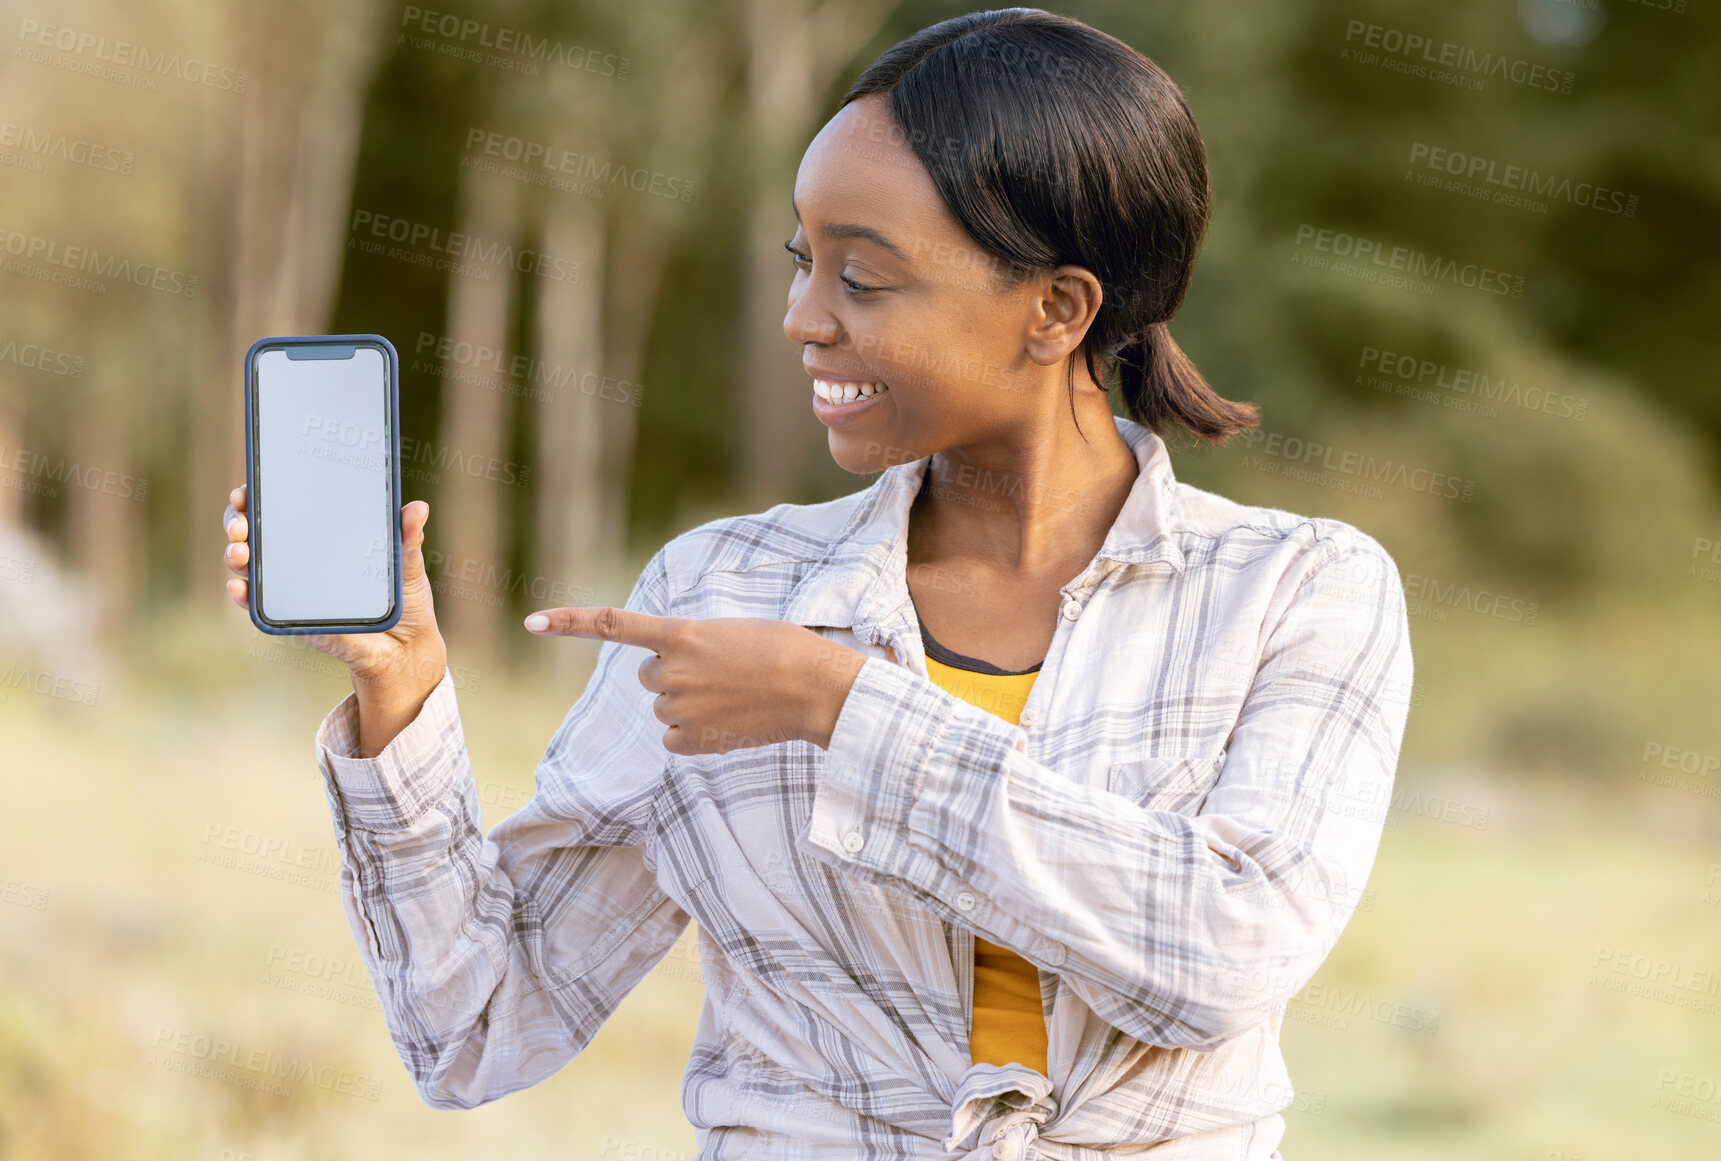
[(348, 110), (591, 335), (796, 52), (473, 414), (270, 199)]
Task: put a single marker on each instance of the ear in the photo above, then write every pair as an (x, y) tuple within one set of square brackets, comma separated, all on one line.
[(1068, 300)]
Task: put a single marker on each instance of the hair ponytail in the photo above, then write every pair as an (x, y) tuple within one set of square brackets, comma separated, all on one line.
[(1054, 143), (1161, 389)]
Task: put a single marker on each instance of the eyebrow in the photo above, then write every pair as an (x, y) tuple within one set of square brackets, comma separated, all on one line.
[(849, 230)]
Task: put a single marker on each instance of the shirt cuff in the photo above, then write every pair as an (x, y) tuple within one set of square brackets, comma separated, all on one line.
[(393, 790), (887, 780)]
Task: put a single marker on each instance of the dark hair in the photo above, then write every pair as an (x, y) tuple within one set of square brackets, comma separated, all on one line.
[(1054, 143)]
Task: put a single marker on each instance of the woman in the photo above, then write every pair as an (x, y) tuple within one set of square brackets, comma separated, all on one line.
[(1014, 795)]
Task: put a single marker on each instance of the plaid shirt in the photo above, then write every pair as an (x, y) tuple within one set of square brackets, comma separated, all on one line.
[(1175, 834)]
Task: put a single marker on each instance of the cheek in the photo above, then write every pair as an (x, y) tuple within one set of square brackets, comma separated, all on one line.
[(945, 364)]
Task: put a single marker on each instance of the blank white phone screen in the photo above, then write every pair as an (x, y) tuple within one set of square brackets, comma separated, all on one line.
[(325, 536)]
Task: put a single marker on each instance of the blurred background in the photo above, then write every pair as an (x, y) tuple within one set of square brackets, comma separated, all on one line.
[(1472, 246)]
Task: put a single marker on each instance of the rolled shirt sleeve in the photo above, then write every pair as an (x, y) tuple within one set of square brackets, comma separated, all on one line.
[(496, 958), (392, 791), (1180, 929)]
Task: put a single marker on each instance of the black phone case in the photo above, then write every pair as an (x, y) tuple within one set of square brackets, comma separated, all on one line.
[(254, 504)]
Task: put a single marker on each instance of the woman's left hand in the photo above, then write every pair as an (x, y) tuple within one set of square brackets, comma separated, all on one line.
[(726, 683)]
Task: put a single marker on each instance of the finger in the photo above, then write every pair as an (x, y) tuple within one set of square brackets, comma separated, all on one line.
[(238, 528), (238, 557), (240, 592), (606, 623), (673, 742), (649, 673), (237, 498)]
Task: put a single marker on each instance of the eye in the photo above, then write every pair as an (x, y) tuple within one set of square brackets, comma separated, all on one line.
[(801, 260)]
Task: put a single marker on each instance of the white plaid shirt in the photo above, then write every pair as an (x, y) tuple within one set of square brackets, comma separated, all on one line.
[(1175, 834)]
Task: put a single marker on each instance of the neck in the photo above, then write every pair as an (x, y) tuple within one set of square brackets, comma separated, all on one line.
[(1037, 499)]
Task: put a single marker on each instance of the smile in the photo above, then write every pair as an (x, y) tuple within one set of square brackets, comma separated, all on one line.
[(836, 401), (846, 390)]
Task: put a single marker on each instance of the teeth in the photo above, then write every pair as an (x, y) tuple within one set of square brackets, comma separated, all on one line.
[(846, 392)]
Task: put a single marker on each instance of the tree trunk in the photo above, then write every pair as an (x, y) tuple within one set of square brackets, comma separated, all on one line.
[(568, 549), (12, 399), (273, 193), (465, 528), (795, 51), (103, 521)]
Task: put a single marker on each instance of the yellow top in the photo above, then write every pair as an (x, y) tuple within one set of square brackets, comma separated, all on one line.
[(1009, 1023)]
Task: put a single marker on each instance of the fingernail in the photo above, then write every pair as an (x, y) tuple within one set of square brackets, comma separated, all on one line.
[(537, 621)]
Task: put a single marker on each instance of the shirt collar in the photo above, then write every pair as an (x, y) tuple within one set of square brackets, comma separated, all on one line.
[(861, 579)]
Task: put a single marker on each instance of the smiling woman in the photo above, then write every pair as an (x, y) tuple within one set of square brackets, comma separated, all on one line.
[(974, 170), (1015, 795)]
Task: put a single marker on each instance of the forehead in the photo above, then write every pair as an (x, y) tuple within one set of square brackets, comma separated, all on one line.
[(860, 169)]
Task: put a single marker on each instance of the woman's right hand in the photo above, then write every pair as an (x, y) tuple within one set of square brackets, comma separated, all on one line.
[(406, 660)]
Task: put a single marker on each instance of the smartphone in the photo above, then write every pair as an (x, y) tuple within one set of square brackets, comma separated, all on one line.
[(322, 483)]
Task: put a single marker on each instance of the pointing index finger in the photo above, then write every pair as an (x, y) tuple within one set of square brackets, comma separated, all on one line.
[(605, 623)]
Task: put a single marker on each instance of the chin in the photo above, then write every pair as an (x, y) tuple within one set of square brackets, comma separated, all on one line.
[(862, 455), (856, 457)]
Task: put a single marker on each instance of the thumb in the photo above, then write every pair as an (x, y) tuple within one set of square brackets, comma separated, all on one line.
[(413, 517)]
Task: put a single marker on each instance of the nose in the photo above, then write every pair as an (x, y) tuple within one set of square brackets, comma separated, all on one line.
[(807, 321)]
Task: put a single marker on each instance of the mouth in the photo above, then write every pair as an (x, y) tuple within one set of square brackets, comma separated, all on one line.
[(837, 401)]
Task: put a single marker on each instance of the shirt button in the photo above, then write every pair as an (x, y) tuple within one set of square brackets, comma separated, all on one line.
[(1007, 1148), (853, 841), (965, 900), (1030, 717), (1072, 609)]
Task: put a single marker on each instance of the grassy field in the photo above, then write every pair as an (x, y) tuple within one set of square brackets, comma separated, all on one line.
[(1486, 1003)]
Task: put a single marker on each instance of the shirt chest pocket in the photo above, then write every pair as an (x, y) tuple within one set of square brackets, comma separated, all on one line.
[(1171, 783)]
